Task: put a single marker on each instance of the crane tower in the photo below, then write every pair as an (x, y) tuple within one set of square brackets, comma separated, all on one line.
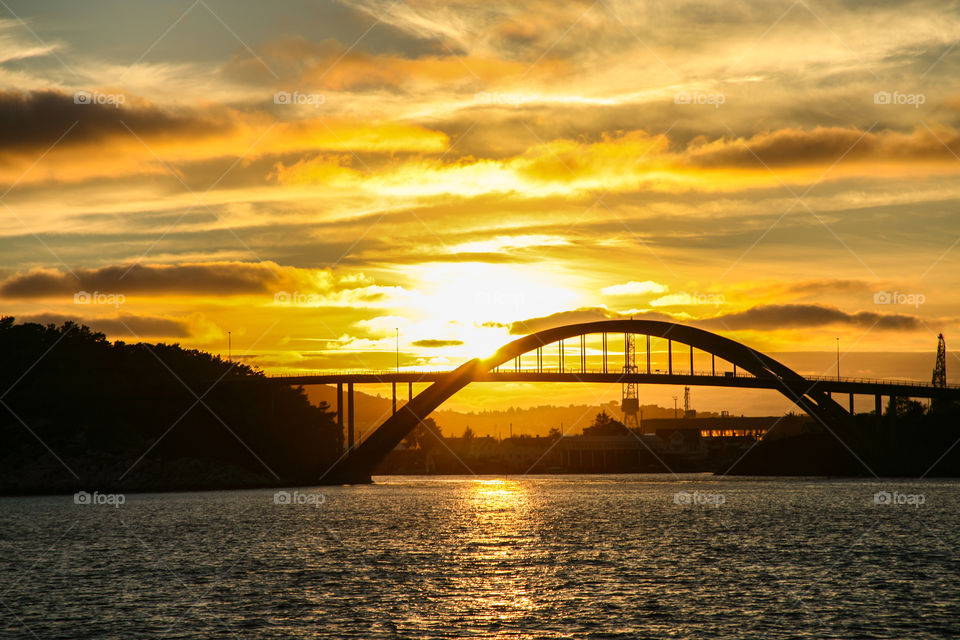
[(629, 401)]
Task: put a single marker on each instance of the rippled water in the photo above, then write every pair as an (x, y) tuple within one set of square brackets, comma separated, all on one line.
[(515, 557)]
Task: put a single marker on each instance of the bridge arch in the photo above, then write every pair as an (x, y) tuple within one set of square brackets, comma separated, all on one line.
[(358, 466)]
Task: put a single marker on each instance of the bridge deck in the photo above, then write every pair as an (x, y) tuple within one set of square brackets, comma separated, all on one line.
[(902, 388)]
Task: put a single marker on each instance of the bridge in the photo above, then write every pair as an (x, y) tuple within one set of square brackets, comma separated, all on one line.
[(732, 364)]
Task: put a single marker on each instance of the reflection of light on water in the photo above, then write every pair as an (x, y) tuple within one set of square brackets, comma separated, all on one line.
[(495, 547), (496, 494)]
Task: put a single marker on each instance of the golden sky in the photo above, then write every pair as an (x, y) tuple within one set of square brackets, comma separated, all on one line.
[(313, 176)]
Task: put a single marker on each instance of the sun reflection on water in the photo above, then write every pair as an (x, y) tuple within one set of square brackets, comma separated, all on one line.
[(496, 545)]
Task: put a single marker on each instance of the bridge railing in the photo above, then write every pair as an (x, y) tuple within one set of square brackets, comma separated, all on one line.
[(508, 369)]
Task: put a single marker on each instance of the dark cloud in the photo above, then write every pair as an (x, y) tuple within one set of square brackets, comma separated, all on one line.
[(437, 343), (217, 278), (825, 145), (762, 318), (796, 316), (131, 326), (585, 314), (38, 118)]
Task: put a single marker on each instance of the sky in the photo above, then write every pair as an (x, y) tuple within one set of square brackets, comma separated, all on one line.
[(315, 177)]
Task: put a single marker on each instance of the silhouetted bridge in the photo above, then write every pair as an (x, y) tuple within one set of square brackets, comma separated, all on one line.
[(732, 364)]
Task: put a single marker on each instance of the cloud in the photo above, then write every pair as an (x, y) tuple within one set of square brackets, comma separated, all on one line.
[(437, 343), (792, 147), (760, 318), (139, 138), (131, 326), (796, 316), (584, 314), (201, 279), (36, 119), (634, 288)]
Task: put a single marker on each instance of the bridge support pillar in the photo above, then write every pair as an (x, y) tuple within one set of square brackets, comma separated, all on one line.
[(350, 416), (851, 404), (394, 386), (670, 357), (340, 416), (604, 351), (878, 406), (409, 391), (583, 353), (691, 359), (648, 355)]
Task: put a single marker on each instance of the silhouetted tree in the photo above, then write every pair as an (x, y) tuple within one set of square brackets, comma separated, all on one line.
[(147, 415)]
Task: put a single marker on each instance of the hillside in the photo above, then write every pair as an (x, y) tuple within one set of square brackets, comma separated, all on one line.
[(372, 410)]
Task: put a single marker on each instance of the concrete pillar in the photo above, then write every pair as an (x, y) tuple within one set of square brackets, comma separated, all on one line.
[(648, 354), (340, 416), (394, 387), (604, 352), (350, 417)]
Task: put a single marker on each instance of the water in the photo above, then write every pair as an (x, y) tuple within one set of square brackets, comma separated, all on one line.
[(515, 557)]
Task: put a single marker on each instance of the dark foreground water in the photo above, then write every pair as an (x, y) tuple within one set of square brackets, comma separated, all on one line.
[(516, 557)]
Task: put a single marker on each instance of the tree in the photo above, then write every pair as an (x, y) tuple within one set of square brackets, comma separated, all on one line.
[(554, 433), (468, 433)]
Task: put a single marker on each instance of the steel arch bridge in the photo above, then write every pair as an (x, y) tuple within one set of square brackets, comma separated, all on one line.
[(811, 395)]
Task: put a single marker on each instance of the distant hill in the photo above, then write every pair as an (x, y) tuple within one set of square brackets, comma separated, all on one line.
[(371, 410)]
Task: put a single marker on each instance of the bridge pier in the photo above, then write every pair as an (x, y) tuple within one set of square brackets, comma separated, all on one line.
[(878, 406), (670, 357), (648, 355), (394, 389), (851, 404), (340, 416), (350, 417), (691, 359), (409, 392), (604, 351), (583, 353)]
